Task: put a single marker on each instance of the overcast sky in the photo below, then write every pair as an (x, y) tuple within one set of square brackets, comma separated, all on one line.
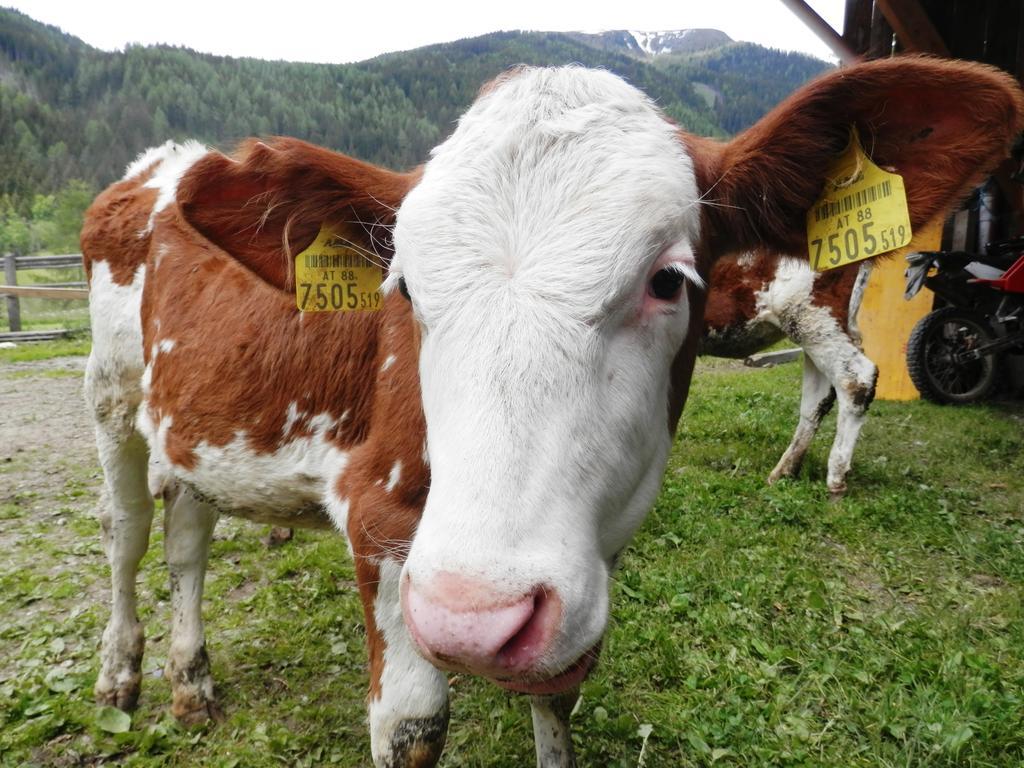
[(337, 32)]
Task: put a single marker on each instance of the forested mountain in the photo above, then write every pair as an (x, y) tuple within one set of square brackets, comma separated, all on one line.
[(745, 79), (72, 112)]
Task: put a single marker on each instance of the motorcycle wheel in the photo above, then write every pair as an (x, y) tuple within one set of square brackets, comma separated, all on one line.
[(931, 361)]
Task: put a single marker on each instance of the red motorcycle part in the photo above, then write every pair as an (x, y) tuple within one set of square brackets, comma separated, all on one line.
[(1012, 280)]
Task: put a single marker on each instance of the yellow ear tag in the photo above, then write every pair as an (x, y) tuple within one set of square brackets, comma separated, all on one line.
[(861, 213), (333, 275)]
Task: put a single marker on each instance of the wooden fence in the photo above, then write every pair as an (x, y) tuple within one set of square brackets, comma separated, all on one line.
[(12, 263)]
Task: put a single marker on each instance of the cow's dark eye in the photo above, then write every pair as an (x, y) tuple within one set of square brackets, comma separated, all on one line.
[(403, 288), (665, 284)]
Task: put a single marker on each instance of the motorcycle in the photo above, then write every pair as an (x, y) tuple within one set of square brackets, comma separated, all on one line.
[(956, 352)]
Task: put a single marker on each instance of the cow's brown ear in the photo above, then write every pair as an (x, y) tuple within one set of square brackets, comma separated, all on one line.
[(941, 124), (268, 201)]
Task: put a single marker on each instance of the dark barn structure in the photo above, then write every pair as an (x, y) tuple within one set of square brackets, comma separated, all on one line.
[(990, 31)]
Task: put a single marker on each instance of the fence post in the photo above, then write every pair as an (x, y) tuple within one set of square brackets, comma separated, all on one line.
[(11, 278)]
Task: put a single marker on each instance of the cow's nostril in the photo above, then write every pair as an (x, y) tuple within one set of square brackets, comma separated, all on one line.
[(527, 645), (478, 628)]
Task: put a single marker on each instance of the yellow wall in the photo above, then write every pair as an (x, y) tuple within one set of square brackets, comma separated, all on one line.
[(885, 319)]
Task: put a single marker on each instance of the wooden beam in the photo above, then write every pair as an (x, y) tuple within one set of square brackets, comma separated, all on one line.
[(880, 42), (20, 336), (56, 260), (913, 27), (821, 28), (768, 359), (1020, 46), (43, 292), (857, 25)]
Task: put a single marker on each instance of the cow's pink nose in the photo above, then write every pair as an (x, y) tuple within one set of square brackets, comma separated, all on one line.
[(464, 622)]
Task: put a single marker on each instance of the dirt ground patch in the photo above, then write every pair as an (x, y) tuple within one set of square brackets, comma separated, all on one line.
[(43, 408), (48, 466), (49, 484)]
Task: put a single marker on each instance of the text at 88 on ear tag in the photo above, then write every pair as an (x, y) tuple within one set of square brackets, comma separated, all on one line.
[(333, 275), (861, 213)]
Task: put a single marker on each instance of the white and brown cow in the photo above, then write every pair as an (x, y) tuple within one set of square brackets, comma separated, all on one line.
[(762, 297), (491, 438)]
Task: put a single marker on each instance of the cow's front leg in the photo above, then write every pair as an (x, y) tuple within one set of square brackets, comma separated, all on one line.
[(551, 734), (188, 528), (854, 393), (816, 399), (408, 699)]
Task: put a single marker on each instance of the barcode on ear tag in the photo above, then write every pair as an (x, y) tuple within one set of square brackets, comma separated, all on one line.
[(861, 213), (334, 275)]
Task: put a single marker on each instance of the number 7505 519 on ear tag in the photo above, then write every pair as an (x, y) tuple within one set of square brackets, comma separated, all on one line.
[(332, 275), (861, 213)]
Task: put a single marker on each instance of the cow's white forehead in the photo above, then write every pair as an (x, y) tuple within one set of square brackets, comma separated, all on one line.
[(563, 182)]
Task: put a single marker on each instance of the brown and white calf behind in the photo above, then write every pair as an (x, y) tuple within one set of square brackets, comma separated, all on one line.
[(761, 298), (491, 437)]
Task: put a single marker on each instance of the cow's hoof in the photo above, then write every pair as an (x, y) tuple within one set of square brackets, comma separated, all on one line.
[(278, 536), (124, 696), (192, 698), (196, 710), (120, 679), (411, 743)]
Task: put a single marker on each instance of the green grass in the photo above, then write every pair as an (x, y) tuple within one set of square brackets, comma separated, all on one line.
[(56, 373), (79, 344), (753, 626)]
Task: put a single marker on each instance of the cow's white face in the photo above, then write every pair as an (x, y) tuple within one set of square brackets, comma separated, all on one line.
[(546, 252)]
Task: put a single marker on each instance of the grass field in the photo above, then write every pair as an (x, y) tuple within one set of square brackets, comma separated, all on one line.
[(753, 626)]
